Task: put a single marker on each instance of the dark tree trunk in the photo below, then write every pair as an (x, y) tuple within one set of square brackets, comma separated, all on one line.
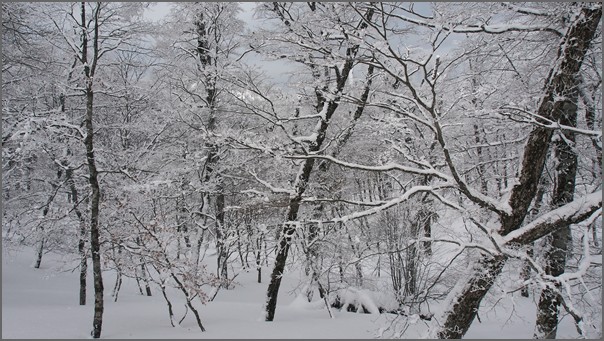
[(590, 119), (82, 236), (289, 228), (39, 253), (301, 183), (425, 217), (258, 254), (170, 312), (572, 51), (275, 283), (475, 288), (559, 241), (526, 272), (312, 253), (117, 286), (83, 262), (95, 244), (240, 252), (222, 248), (188, 297), (146, 279), (534, 212), (549, 301)]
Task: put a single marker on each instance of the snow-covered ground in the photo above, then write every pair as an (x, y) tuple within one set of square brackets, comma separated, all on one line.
[(43, 303)]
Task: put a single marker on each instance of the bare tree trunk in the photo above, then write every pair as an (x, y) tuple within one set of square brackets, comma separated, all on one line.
[(312, 252), (549, 301), (526, 272), (258, 267), (258, 253), (534, 212), (81, 238), (482, 276), (146, 279), (184, 290), (240, 252), (564, 190), (170, 312), (40, 252), (95, 245), (222, 248), (590, 119), (425, 217), (117, 286)]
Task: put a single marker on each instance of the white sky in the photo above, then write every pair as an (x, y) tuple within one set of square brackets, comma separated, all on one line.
[(278, 70), (158, 10)]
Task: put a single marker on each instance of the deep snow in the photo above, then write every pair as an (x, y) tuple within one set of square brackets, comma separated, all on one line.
[(43, 303)]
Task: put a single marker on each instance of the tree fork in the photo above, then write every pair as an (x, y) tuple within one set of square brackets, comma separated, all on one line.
[(571, 53)]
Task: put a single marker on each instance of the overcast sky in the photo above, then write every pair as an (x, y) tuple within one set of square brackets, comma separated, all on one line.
[(278, 70)]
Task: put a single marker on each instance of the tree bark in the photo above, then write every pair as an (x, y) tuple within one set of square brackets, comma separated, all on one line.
[(95, 245), (564, 190), (222, 247), (534, 212), (573, 47), (207, 60), (170, 312), (146, 279), (468, 298), (81, 238), (40, 252)]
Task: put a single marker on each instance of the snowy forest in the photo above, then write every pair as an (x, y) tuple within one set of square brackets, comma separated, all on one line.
[(302, 170)]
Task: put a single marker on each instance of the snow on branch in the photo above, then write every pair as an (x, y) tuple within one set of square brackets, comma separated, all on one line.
[(533, 118), (382, 168), (271, 187), (390, 203), (492, 29), (527, 10), (571, 213)]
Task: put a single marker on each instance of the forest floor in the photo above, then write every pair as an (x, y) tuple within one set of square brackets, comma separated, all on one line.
[(43, 304)]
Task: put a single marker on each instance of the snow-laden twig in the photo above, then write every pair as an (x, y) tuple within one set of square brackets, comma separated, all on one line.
[(271, 187), (486, 28), (535, 119), (382, 168), (390, 203)]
